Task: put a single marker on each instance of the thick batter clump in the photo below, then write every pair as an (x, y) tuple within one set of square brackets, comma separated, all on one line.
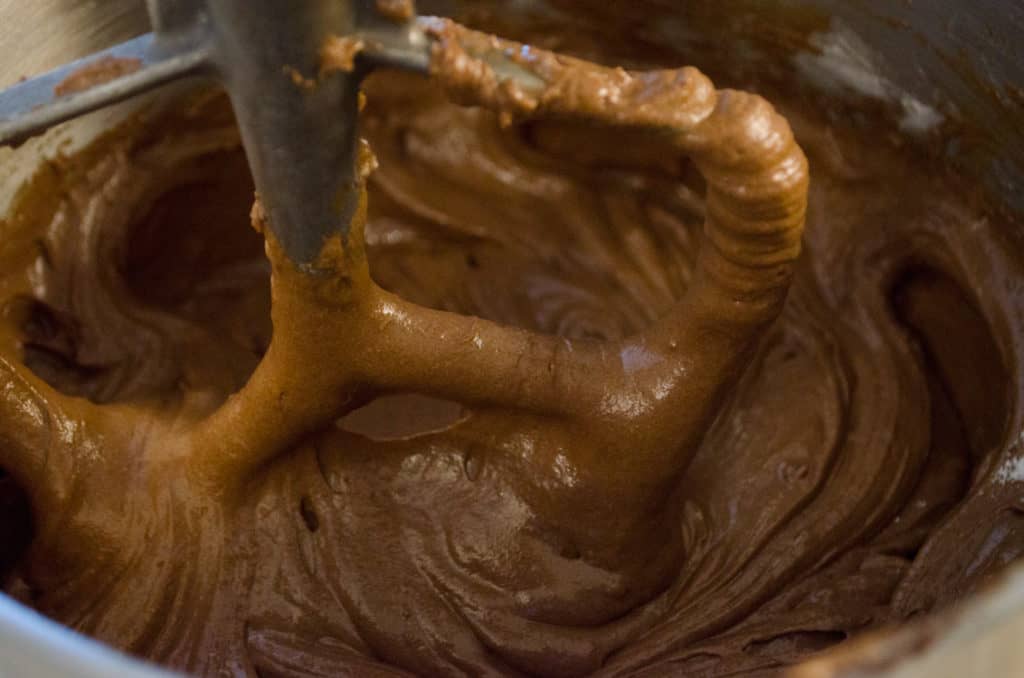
[(587, 415)]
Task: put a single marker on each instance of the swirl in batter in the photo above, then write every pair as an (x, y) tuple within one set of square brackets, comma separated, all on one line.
[(590, 414)]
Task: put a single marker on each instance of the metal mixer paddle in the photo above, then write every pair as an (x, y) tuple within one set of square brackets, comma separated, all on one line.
[(298, 125)]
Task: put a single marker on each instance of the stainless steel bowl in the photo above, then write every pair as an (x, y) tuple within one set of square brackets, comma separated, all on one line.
[(954, 64)]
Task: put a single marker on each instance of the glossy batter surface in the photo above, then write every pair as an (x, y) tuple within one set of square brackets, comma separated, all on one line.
[(682, 461)]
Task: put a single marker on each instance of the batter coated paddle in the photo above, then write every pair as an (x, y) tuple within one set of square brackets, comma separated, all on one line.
[(622, 418)]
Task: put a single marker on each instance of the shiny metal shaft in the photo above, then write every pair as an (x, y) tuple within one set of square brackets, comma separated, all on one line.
[(298, 126)]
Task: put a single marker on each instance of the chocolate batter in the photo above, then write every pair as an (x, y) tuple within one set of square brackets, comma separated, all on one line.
[(589, 414)]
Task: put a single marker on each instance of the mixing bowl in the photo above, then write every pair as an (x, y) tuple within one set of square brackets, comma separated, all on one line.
[(951, 72)]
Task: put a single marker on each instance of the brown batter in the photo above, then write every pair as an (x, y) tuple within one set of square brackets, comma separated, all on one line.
[(96, 73), (396, 10), (668, 465)]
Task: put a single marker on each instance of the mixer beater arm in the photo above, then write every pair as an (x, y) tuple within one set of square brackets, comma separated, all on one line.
[(171, 52), (298, 121)]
